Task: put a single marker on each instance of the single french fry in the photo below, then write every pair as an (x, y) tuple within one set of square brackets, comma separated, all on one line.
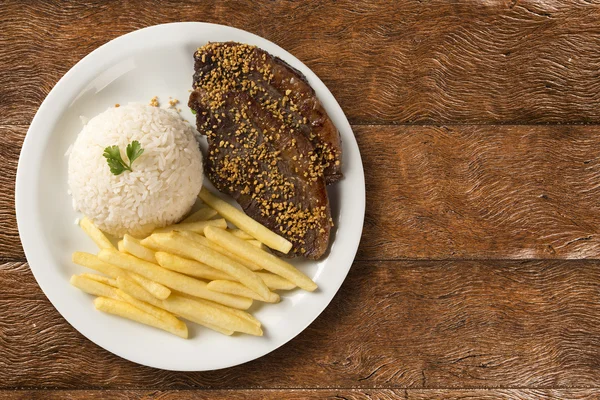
[(150, 309), (236, 288), (245, 223), (240, 233), (178, 244), (268, 261), (151, 244), (275, 282), (93, 262), (212, 245), (121, 246), (197, 226), (158, 290), (95, 234), (242, 314), (133, 247), (93, 287), (171, 279), (203, 214), (99, 278), (126, 310), (192, 310), (189, 267), (216, 328), (258, 244)]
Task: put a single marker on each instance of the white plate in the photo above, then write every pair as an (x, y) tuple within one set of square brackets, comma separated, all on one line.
[(136, 67)]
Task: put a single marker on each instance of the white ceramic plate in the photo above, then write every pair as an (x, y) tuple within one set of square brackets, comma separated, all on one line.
[(157, 61)]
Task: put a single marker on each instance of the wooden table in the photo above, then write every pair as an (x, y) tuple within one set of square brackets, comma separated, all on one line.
[(477, 274)]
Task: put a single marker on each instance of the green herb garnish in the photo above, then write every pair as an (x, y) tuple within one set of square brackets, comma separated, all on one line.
[(115, 162), (193, 111)]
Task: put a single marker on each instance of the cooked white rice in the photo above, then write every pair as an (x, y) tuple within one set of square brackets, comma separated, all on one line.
[(165, 180)]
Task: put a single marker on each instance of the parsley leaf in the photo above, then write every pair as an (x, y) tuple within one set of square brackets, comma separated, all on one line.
[(193, 111), (134, 150), (115, 162), (113, 152), (115, 166)]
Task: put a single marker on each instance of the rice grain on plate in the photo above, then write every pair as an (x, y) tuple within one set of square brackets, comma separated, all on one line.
[(163, 184)]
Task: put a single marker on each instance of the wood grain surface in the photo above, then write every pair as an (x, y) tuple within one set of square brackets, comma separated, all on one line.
[(402, 324), (478, 274), (386, 61), (475, 192), (301, 394)]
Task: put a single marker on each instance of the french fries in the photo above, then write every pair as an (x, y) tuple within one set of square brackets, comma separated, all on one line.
[(236, 288), (171, 279), (258, 244), (189, 267), (203, 214), (99, 278), (203, 271), (150, 309), (205, 242), (126, 310), (132, 246), (245, 223), (275, 282), (136, 291), (81, 281), (268, 261), (197, 226), (159, 291), (158, 279), (95, 234), (240, 233), (182, 246), (192, 310), (93, 286), (224, 331), (93, 262), (242, 314), (195, 311)]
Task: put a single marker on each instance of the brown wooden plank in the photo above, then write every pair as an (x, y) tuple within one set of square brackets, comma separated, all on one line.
[(11, 140), (500, 61), (18, 282), (403, 324), (503, 394), (301, 394), (511, 192)]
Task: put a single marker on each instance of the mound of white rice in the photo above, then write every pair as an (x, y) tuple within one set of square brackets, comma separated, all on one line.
[(165, 180)]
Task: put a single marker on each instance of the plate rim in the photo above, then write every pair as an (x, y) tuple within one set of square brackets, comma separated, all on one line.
[(28, 173)]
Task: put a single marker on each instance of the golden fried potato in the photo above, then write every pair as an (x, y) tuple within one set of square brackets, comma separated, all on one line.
[(126, 310), (95, 234), (178, 244), (171, 279), (245, 223), (268, 261)]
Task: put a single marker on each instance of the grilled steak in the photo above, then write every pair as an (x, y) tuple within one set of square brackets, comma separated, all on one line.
[(272, 146)]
